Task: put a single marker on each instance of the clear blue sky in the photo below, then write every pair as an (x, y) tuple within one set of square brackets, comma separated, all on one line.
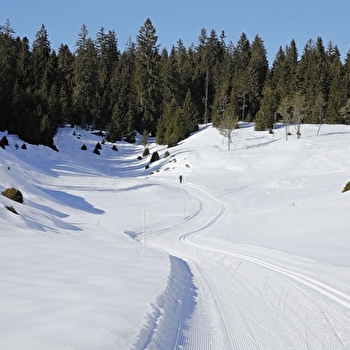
[(276, 21)]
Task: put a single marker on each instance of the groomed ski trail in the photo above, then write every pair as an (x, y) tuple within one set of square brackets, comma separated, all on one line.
[(245, 302)]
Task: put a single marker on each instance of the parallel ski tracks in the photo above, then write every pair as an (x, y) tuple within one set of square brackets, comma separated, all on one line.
[(230, 312)]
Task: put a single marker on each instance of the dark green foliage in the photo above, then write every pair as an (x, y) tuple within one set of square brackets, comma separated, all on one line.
[(96, 151), (147, 166), (164, 93), (98, 146), (148, 94), (347, 187), (145, 152), (166, 154), (114, 148), (14, 194), (24, 146), (154, 157), (139, 158), (4, 141), (83, 147)]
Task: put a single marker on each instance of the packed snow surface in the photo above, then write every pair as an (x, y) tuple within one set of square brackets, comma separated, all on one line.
[(250, 251)]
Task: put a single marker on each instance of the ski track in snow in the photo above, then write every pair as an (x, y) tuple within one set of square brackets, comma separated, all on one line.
[(226, 295), (245, 302)]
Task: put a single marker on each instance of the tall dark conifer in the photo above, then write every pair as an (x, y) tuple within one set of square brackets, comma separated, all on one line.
[(240, 88), (123, 96), (107, 52), (65, 61), (257, 68), (147, 78), (85, 78)]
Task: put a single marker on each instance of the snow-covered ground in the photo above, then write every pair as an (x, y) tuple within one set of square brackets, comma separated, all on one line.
[(251, 251)]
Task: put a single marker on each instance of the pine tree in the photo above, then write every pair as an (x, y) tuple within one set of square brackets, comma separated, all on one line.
[(147, 78), (65, 61), (222, 86), (122, 122), (41, 56), (257, 68), (108, 54), (8, 69), (240, 78), (312, 77), (337, 89), (85, 78)]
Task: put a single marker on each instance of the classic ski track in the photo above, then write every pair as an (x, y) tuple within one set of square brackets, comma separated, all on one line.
[(336, 295), (215, 321)]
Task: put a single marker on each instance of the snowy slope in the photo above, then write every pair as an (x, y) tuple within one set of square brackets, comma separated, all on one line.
[(250, 252)]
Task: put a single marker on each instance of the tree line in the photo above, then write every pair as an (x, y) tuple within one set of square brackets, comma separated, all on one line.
[(165, 92)]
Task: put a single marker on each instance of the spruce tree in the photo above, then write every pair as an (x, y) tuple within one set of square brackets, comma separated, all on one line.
[(85, 78), (147, 78), (65, 83), (240, 78), (122, 122)]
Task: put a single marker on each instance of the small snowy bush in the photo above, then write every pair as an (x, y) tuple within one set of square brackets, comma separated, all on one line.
[(155, 157), (14, 194), (11, 208), (5, 141), (347, 187), (145, 152)]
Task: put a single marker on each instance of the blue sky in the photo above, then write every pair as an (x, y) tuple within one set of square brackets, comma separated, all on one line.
[(276, 21)]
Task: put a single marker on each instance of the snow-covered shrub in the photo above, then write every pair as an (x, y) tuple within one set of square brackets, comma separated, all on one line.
[(11, 208), (13, 194), (155, 157), (4, 141), (347, 187), (145, 152)]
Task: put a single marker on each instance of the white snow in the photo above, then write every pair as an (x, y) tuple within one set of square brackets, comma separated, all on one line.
[(252, 251)]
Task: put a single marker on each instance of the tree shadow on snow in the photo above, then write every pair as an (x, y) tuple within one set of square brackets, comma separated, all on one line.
[(72, 201)]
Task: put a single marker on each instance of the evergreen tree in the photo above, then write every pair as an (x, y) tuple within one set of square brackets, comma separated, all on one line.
[(240, 78), (222, 86), (147, 78), (190, 116), (8, 53), (65, 62), (267, 113), (312, 77), (122, 122), (337, 89), (108, 54), (257, 68), (85, 78), (40, 57)]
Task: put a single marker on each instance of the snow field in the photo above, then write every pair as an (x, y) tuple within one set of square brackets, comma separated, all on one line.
[(250, 252)]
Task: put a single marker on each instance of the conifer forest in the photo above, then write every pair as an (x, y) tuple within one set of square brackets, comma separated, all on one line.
[(165, 92)]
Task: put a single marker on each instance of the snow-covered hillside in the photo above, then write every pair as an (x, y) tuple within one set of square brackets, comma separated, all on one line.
[(251, 251)]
